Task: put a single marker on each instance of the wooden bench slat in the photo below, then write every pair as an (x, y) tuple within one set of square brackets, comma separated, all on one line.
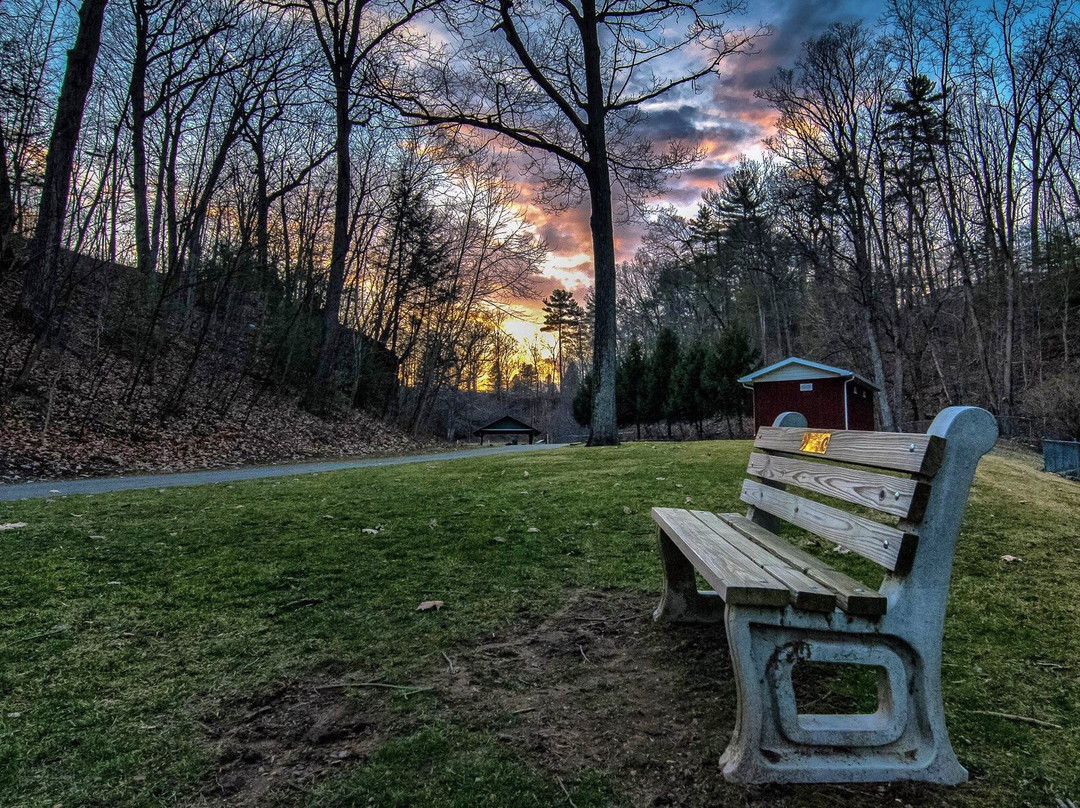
[(812, 597), (887, 546), (738, 581), (898, 496), (853, 597), (806, 593), (915, 454)]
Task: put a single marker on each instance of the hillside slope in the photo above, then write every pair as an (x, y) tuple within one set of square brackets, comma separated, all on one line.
[(81, 413)]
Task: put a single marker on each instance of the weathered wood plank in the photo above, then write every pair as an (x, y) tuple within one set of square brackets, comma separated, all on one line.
[(885, 545), (737, 580), (853, 597), (898, 496), (806, 593), (915, 454)]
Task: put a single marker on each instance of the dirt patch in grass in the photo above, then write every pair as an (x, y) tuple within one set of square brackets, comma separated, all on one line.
[(600, 686), (596, 687), (272, 748)]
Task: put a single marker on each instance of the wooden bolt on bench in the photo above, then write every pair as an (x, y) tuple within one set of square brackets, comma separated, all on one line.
[(783, 606)]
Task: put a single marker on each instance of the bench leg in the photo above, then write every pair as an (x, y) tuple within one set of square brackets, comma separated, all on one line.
[(682, 602), (905, 739)]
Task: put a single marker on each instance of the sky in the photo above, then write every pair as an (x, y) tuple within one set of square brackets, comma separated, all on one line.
[(724, 120)]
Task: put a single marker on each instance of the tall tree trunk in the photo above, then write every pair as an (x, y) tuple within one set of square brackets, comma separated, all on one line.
[(604, 430), (196, 235), (319, 393), (1010, 328), (262, 225), (144, 258), (189, 278), (878, 365), (40, 293), (1036, 198), (957, 230), (7, 209), (980, 342)]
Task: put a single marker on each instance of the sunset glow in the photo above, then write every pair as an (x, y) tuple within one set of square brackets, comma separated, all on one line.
[(724, 120)]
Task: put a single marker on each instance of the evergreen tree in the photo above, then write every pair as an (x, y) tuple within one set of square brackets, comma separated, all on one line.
[(526, 380), (660, 367), (631, 387), (731, 359), (563, 317), (689, 399), (712, 271), (583, 400), (916, 127)]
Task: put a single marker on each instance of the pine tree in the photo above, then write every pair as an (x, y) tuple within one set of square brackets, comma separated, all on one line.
[(916, 128), (562, 316), (631, 387), (688, 399), (712, 271), (583, 400), (731, 358), (661, 365)]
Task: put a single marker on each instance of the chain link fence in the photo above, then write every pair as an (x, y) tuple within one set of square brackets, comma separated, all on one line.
[(1062, 457)]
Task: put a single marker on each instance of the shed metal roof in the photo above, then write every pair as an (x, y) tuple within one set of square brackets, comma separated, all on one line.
[(507, 424), (794, 368)]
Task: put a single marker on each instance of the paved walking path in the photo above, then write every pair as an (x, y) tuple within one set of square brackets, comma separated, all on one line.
[(101, 485)]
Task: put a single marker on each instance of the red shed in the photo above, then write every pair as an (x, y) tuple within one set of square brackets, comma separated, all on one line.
[(830, 398)]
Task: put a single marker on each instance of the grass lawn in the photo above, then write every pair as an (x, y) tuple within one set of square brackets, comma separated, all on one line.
[(193, 646)]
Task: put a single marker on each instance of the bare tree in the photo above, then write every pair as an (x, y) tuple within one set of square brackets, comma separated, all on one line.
[(354, 36), (31, 34), (830, 130), (566, 81), (41, 281), (7, 207)]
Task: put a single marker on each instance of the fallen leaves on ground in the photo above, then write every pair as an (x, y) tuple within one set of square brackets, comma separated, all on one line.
[(92, 424)]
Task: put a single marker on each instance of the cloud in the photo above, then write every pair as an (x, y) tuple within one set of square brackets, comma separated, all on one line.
[(573, 273), (674, 124), (724, 120), (567, 233)]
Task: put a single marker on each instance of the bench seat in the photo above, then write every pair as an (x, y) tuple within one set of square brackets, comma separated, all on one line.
[(748, 565), (781, 607)]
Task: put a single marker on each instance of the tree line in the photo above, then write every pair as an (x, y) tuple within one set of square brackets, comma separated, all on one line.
[(315, 191), (681, 382), (270, 210), (914, 216), (314, 194)]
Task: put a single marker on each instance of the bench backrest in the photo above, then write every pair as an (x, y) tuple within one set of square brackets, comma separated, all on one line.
[(921, 480)]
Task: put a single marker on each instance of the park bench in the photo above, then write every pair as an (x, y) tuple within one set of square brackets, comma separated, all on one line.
[(783, 606)]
